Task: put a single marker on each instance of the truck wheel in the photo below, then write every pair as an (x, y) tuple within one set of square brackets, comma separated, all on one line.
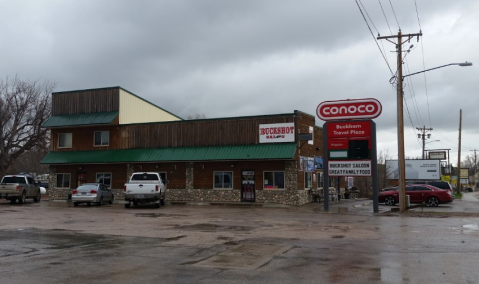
[(157, 204), (38, 197), (21, 200), (162, 201), (13, 201), (127, 205)]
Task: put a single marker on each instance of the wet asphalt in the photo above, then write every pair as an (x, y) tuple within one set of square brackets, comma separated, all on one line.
[(54, 242)]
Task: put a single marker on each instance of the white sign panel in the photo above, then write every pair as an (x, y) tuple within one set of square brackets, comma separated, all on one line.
[(278, 132), (415, 169), (350, 168), (437, 155)]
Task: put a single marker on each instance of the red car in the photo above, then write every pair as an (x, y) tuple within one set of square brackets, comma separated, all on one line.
[(418, 193)]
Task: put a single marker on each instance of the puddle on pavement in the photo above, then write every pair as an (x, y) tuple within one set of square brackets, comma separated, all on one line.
[(470, 228), (156, 215), (214, 227)]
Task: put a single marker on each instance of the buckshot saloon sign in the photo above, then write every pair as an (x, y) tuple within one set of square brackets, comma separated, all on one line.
[(349, 109), (349, 168), (278, 132)]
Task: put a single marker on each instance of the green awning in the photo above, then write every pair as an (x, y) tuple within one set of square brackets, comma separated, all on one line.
[(283, 151), (80, 119)]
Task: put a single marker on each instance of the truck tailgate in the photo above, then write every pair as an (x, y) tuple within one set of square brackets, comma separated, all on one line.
[(133, 188)]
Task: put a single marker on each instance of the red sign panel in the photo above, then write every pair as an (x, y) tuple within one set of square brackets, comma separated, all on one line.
[(335, 144), (349, 109), (349, 129)]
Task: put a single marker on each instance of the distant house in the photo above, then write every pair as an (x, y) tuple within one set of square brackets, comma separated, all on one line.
[(104, 135)]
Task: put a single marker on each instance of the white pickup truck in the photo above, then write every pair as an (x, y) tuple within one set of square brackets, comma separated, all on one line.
[(145, 188), (19, 187)]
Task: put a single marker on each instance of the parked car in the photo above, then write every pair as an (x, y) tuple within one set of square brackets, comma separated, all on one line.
[(468, 189), (439, 184), (418, 193), (92, 193)]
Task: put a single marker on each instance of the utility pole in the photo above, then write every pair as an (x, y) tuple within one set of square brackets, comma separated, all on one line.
[(400, 115), (475, 169), (423, 136), (458, 188)]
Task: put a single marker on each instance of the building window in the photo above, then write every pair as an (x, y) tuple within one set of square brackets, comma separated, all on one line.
[(308, 179), (64, 140), (102, 138), (223, 179), (273, 180), (104, 178), (63, 180), (320, 180)]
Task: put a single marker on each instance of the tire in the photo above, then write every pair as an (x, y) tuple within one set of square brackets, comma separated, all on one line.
[(21, 200), (162, 202), (389, 200), (75, 204), (101, 201), (38, 197), (111, 199), (13, 201), (88, 204), (127, 205), (157, 205), (135, 203), (433, 202)]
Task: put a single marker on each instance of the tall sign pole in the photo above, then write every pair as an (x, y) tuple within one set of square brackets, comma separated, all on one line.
[(458, 188)]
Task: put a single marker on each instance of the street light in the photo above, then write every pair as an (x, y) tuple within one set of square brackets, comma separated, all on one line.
[(400, 97), (464, 64)]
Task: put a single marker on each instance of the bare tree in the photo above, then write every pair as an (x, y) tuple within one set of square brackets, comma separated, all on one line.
[(196, 116), (24, 107)]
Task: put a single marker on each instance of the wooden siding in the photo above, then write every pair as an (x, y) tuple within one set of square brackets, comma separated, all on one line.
[(82, 138), (86, 101), (118, 173), (175, 172), (204, 178), (135, 110), (196, 133)]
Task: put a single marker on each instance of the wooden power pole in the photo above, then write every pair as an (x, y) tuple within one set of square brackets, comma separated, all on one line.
[(400, 115)]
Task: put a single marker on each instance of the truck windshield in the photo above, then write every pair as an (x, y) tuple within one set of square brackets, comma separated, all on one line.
[(144, 177), (13, 179)]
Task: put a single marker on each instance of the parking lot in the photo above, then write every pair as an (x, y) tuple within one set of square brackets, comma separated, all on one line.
[(54, 242)]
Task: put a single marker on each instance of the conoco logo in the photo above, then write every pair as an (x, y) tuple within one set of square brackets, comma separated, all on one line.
[(349, 109)]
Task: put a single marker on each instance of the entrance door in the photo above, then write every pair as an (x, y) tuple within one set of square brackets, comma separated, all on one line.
[(81, 178), (247, 186), (163, 178)]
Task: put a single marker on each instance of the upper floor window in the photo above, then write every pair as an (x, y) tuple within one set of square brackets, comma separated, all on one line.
[(64, 140), (102, 138)]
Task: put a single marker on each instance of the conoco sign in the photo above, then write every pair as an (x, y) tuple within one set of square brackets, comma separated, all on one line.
[(349, 109)]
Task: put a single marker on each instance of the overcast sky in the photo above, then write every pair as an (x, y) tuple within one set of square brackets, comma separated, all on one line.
[(232, 58)]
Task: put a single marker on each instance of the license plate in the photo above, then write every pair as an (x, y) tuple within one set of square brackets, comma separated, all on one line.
[(83, 193), (140, 196)]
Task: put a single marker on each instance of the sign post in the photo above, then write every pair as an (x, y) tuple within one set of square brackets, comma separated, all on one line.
[(350, 144)]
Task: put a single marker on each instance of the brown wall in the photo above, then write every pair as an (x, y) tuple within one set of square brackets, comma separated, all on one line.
[(170, 134), (204, 178), (86, 101)]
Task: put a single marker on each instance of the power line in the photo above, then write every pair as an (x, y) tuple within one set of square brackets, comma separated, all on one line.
[(417, 13), (374, 37), (394, 14), (413, 96), (385, 16)]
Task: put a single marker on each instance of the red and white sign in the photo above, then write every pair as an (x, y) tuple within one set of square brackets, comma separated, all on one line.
[(349, 109), (349, 129), (278, 132)]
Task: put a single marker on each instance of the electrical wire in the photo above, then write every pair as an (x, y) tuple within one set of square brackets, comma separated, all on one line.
[(394, 14), (385, 16), (374, 37), (413, 97), (384, 49)]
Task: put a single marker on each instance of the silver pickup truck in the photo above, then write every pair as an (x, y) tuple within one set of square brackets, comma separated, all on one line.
[(145, 188), (19, 187)]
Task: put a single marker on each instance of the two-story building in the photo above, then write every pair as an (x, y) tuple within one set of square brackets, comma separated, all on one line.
[(104, 135)]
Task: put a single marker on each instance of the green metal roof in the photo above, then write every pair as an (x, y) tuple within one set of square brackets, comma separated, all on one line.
[(212, 153), (80, 119)]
